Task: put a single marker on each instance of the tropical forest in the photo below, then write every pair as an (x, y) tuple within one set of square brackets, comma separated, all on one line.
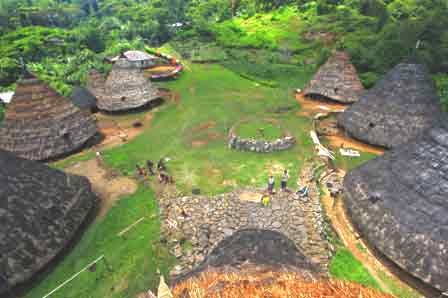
[(223, 148)]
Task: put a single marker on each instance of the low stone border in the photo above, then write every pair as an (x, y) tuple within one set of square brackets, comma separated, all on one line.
[(259, 145)]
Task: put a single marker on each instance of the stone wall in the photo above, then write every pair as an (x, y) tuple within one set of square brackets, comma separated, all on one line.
[(260, 146), (193, 226)]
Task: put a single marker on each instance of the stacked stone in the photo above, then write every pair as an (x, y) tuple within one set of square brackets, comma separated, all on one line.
[(204, 222), (261, 146)]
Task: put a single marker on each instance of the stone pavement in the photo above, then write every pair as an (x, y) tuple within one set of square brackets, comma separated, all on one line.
[(193, 226)]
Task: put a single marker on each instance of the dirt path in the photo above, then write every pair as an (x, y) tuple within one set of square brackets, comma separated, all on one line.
[(339, 141), (109, 188), (310, 107)]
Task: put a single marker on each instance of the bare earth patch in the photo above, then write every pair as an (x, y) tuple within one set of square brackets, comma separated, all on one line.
[(347, 142), (250, 196), (310, 107), (108, 187), (118, 131)]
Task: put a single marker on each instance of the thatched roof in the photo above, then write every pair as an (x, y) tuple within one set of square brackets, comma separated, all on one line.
[(95, 83), (40, 124), (336, 80), (41, 209), (399, 203), (398, 108), (263, 248), (83, 98), (126, 88), (134, 56)]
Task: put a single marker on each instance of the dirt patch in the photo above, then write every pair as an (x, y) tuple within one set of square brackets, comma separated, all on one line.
[(339, 141), (310, 107), (160, 69), (204, 126), (108, 187), (117, 131), (250, 196)]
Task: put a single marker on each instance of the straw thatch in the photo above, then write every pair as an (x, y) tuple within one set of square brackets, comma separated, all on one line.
[(83, 99), (398, 108), (40, 124), (41, 210), (126, 88), (337, 80), (399, 204), (270, 284), (95, 83)]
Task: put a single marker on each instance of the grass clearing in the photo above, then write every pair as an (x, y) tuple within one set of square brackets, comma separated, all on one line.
[(133, 258), (212, 99), (212, 93), (259, 129), (346, 267)]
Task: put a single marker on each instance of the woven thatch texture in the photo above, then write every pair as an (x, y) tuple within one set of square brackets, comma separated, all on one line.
[(41, 209), (257, 247), (95, 83), (337, 80), (399, 203), (83, 98), (40, 124), (398, 108), (126, 88)]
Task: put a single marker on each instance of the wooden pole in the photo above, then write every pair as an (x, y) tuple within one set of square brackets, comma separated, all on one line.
[(73, 277)]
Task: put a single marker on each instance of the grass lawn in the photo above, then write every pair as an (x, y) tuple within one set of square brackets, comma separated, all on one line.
[(346, 267), (193, 133), (259, 129), (134, 259)]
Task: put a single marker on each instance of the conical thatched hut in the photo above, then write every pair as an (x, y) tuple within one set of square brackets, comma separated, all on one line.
[(126, 88), (336, 80), (41, 210), (399, 204), (40, 124), (398, 108)]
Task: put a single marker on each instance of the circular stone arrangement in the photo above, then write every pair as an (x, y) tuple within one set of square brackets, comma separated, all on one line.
[(261, 136)]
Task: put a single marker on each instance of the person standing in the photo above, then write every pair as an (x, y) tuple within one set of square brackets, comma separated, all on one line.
[(271, 184), (161, 165), (150, 165), (284, 181)]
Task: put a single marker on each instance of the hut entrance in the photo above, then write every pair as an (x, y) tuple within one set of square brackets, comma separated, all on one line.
[(123, 99)]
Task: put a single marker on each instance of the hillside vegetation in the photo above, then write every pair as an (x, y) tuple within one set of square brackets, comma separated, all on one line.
[(62, 39)]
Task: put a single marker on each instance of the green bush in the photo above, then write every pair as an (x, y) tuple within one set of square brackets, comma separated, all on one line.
[(442, 86)]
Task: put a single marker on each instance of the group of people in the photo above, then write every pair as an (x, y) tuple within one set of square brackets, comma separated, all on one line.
[(283, 182), (163, 175)]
